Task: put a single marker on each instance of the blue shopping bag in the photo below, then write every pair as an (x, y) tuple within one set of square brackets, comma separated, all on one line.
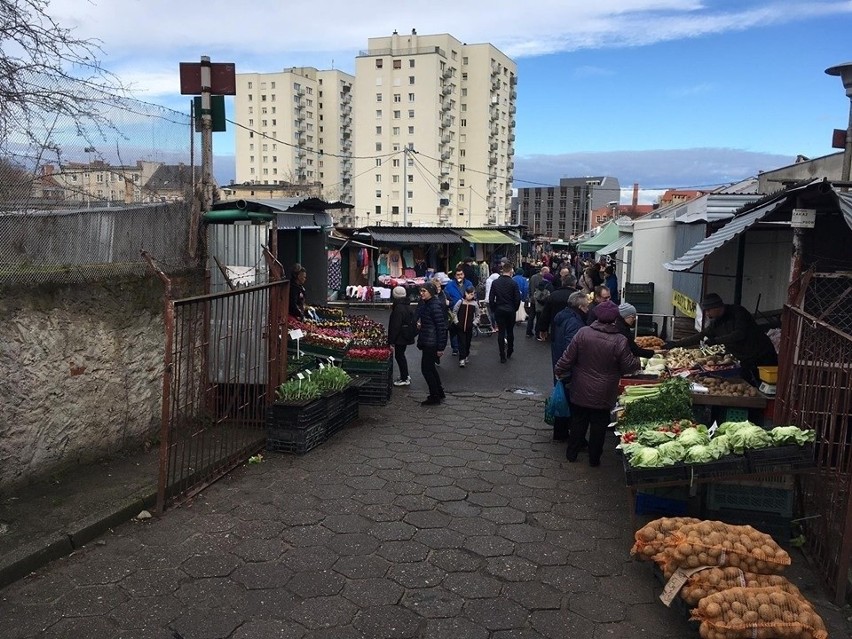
[(557, 404)]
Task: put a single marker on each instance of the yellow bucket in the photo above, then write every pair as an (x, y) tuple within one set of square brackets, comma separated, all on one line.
[(768, 374)]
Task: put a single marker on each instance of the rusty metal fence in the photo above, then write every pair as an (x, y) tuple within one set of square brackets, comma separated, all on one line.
[(815, 392), (225, 355)]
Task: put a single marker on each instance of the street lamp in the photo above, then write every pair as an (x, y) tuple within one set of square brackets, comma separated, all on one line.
[(844, 71)]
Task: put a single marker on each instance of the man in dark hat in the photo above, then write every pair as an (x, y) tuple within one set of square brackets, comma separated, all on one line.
[(735, 328)]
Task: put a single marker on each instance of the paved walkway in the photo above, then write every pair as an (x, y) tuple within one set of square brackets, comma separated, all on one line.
[(459, 521)]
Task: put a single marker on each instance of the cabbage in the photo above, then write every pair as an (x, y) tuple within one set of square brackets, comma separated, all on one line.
[(726, 428), (654, 437), (694, 436), (721, 445), (699, 454), (750, 436), (782, 435), (671, 452), (646, 457)]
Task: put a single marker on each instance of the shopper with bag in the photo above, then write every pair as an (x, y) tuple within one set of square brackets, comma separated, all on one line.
[(402, 330), (431, 340), (594, 362), (563, 329)]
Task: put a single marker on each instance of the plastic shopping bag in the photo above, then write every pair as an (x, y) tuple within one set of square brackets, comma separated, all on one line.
[(557, 404)]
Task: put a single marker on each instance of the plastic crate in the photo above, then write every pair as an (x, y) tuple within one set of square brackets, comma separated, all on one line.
[(777, 501), (634, 475), (671, 502), (297, 415), (363, 365), (295, 440), (727, 465), (349, 415), (733, 414), (374, 386), (780, 458)]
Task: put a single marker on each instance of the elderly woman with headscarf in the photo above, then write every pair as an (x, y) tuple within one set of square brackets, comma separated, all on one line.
[(594, 362)]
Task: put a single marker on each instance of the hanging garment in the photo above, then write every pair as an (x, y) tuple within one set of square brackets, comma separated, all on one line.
[(408, 257), (383, 266), (395, 262), (335, 274)]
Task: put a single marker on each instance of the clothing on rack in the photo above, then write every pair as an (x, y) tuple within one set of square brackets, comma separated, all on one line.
[(395, 263), (335, 274), (383, 266)]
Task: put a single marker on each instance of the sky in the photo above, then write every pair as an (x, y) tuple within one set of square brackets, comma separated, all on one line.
[(663, 93)]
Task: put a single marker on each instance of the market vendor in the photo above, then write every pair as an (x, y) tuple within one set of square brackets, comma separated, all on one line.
[(298, 277), (734, 327)]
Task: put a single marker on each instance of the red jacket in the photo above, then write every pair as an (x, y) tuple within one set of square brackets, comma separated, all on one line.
[(596, 359)]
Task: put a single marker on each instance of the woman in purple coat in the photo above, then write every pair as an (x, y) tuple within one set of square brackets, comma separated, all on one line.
[(594, 362)]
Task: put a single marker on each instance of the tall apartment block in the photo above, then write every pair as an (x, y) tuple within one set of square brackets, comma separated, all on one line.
[(298, 129), (563, 211), (434, 132)]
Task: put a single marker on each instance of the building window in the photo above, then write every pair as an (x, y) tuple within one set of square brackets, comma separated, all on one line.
[(378, 177), (411, 113), (378, 209), (379, 63), (411, 79), (378, 146), (249, 85), (396, 130), (465, 60), (410, 177), (463, 122), (378, 193), (378, 113), (411, 63), (397, 97), (378, 97), (378, 161), (396, 115), (396, 160), (395, 179), (464, 92), (411, 130), (411, 195), (411, 97), (397, 64), (378, 130)]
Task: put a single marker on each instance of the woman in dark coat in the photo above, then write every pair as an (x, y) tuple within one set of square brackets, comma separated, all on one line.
[(431, 340), (401, 329), (595, 360), (563, 329)]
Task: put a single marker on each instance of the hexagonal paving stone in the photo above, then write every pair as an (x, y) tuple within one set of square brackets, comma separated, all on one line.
[(531, 504), (446, 493), (473, 585), (346, 506), (459, 509), (427, 519), (488, 500), (200, 624), (147, 612), (365, 593), (323, 612), (533, 596), (362, 567), (522, 533), (414, 503), (503, 515), (542, 554), (392, 531), (374, 497), (271, 629), (260, 575), (387, 622), (87, 601), (382, 512), (453, 560), (433, 602), (99, 569), (149, 583), (433, 481), (511, 568), (567, 578), (254, 550), (314, 535), (419, 575), (515, 633), (489, 545), (211, 564), (403, 551), (437, 538), (89, 627), (18, 621), (301, 517), (498, 613), (217, 592), (472, 526), (553, 624), (269, 529), (352, 544), (317, 583), (346, 523), (457, 627), (311, 558), (592, 605)]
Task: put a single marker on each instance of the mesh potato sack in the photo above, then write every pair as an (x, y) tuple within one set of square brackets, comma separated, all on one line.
[(650, 538), (715, 543), (757, 613), (713, 580)]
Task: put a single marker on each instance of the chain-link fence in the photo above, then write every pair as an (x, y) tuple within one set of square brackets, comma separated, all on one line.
[(82, 194), (829, 298)]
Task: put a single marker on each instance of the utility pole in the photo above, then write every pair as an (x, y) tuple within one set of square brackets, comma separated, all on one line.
[(405, 185)]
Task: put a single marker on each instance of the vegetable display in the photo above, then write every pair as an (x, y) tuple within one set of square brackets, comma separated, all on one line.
[(673, 400), (728, 388), (712, 580)]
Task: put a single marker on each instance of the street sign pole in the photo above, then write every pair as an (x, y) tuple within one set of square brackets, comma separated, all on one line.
[(206, 136)]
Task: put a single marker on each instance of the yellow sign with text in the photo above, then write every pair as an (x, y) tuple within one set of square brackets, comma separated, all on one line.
[(683, 303)]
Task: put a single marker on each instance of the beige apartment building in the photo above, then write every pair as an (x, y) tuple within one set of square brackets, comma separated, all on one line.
[(434, 132), (98, 183), (296, 128)]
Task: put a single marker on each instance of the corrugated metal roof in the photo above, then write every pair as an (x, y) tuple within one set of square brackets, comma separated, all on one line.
[(609, 233), (710, 244), (620, 243), (412, 235), (844, 199), (296, 220)]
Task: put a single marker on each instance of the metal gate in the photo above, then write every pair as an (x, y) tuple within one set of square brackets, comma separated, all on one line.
[(225, 355), (815, 392)]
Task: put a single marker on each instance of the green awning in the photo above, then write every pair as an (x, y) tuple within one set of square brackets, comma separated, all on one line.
[(486, 236), (607, 235)]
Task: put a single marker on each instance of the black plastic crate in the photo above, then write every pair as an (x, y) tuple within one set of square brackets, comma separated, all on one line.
[(727, 465), (752, 497), (374, 386), (297, 415), (779, 527), (295, 440), (780, 458), (650, 475), (345, 418)]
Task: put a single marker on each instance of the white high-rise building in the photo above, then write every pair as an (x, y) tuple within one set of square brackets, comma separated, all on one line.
[(296, 128), (434, 132)]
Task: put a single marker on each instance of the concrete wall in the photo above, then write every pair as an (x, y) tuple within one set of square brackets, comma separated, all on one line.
[(80, 372)]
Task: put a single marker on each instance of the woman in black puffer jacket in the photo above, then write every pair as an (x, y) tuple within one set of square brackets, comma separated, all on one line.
[(431, 340)]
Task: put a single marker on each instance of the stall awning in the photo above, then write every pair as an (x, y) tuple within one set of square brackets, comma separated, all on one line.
[(487, 236), (620, 243), (608, 234), (717, 240), (306, 221), (418, 236)]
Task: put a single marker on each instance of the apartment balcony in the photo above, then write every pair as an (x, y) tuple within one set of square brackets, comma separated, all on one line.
[(510, 165), (346, 109), (346, 134), (511, 123), (511, 137), (448, 73), (446, 105), (446, 138), (510, 150), (493, 146), (495, 129), (302, 142), (513, 109), (495, 68), (495, 83), (492, 219), (513, 80), (298, 106), (447, 121), (448, 89), (513, 94), (445, 170), (492, 159), (446, 155)]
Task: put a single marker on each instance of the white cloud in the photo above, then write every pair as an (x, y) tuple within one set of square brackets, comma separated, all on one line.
[(146, 39)]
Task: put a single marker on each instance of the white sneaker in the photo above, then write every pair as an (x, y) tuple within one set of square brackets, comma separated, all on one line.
[(402, 382), (462, 363)]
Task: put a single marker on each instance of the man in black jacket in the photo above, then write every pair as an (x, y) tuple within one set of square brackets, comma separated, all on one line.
[(733, 326), (504, 299)]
